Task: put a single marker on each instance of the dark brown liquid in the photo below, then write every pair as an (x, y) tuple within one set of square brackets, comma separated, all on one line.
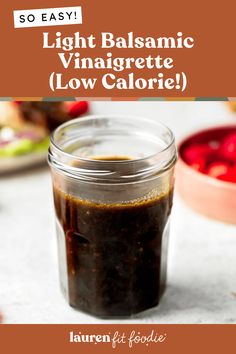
[(116, 254)]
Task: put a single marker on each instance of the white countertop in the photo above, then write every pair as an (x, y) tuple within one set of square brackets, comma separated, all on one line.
[(202, 258)]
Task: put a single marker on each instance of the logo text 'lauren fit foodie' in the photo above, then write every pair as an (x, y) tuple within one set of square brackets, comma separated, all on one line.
[(117, 338)]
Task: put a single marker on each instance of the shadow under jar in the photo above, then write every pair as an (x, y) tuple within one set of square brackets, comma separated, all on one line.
[(113, 188)]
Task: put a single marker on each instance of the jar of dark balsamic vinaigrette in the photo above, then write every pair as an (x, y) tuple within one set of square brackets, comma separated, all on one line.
[(113, 188)]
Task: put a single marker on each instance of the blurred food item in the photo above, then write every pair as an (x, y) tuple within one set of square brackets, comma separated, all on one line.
[(214, 155), (228, 147), (25, 126), (18, 137), (217, 169), (229, 175), (1, 317), (9, 115), (14, 143), (51, 114), (196, 155), (76, 109), (47, 115), (206, 172)]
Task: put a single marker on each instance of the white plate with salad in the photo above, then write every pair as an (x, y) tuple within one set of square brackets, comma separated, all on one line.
[(19, 150), (25, 129)]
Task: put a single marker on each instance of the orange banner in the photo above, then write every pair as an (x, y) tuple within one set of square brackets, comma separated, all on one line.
[(128, 49), (69, 339)]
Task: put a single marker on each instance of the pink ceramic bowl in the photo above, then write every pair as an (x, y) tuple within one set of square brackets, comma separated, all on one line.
[(207, 195)]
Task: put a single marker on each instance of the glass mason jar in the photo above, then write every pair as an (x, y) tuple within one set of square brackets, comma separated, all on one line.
[(113, 188)]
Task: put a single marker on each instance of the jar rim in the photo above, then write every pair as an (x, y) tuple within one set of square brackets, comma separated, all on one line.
[(100, 116), (56, 150)]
